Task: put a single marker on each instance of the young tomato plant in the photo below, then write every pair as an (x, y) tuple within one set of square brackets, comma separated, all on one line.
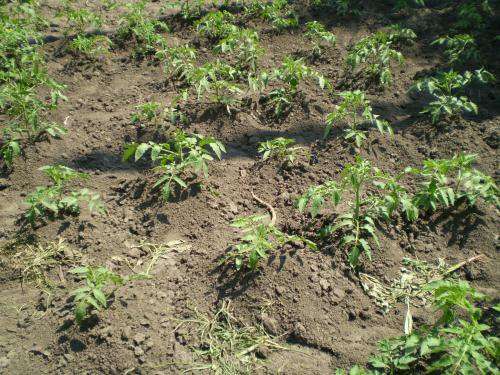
[(78, 20), (183, 154), (277, 12), (93, 48), (446, 89), (189, 9), (216, 80), (291, 73), (244, 44), (178, 61), (448, 181), (281, 149), (473, 15), (407, 4), (9, 149), (55, 200), (357, 224), (259, 239), (216, 25), (94, 295), (341, 7), (319, 37), (23, 78), (459, 49), (149, 113), (354, 110), (459, 342), (135, 25), (375, 53)]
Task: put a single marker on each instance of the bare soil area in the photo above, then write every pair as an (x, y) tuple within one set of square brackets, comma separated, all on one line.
[(311, 300)]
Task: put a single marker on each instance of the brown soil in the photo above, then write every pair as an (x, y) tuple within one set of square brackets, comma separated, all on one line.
[(311, 300)]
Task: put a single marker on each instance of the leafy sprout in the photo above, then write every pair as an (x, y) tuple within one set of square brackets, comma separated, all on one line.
[(319, 36), (55, 200), (279, 148), (357, 223), (459, 342), (258, 240), (447, 90), (354, 110), (183, 154)]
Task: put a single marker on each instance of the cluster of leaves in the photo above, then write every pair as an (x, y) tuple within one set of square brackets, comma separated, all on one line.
[(291, 73), (341, 7), (277, 12), (216, 25), (78, 21), (51, 202), (357, 223), (259, 239), (244, 45), (189, 9), (473, 14), (354, 110), (145, 32), (280, 148), (174, 159), (375, 53), (23, 76), (319, 36), (459, 49), (93, 295), (459, 342), (446, 182), (447, 88)]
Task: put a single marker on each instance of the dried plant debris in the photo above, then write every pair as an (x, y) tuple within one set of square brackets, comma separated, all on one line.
[(410, 286), (222, 344)]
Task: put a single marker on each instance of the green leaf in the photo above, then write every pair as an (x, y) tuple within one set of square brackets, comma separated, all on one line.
[(80, 312), (179, 181), (354, 256), (99, 295), (129, 151), (140, 150)]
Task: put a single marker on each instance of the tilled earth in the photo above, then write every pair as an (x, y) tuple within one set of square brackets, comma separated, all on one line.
[(311, 300)]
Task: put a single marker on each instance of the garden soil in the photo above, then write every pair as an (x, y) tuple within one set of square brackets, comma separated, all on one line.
[(310, 300)]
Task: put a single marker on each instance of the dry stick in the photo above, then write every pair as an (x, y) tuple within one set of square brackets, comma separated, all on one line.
[(464, 263), (268, 206)]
